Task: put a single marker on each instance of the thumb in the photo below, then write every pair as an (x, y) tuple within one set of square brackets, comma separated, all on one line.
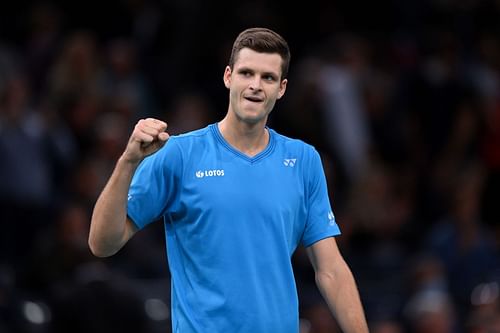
[(149, 148), (163, 137)]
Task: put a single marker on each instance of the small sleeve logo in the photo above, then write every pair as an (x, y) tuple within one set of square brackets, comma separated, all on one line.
[(331, 218)]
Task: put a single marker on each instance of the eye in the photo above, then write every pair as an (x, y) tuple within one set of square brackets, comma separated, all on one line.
[(245, 73), (269, 77)]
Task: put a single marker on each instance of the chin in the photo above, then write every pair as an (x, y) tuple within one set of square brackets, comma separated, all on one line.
[(252, 120), (252, 116)]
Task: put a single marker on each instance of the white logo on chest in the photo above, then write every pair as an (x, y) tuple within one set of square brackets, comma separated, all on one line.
[(209, 173), (289, 162)]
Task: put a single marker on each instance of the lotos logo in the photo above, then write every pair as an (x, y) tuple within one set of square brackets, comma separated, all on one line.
[(209, 173)]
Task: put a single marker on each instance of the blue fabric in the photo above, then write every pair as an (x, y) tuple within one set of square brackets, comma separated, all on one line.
[(232, 224)]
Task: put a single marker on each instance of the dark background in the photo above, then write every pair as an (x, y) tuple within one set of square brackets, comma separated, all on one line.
[(401, 99)]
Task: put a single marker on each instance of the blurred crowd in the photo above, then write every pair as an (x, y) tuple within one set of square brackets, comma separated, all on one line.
[(401, 99)]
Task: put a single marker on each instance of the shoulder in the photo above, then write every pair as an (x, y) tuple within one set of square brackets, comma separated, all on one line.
[(293, 144), (298, 152), (190, 140), (192, 135), (179, 145)]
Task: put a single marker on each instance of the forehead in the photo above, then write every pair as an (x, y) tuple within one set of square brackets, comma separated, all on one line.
[(264, 62)]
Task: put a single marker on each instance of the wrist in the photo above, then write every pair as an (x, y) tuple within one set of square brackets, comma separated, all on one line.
[(128, 163)]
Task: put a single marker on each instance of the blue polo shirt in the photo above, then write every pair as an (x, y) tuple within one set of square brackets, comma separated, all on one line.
[(232, 223)]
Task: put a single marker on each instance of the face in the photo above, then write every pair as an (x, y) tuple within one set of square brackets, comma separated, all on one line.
[(254, 85)]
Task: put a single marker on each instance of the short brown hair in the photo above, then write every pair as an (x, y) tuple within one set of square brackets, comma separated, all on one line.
[(262, 40)]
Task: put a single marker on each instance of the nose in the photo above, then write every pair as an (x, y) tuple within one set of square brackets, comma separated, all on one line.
[(256, 83)]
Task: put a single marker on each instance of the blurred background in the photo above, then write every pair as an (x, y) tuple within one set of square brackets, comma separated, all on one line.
[(401, 98)]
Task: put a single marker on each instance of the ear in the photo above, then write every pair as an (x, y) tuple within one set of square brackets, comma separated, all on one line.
[(227, 77), (282, 88)]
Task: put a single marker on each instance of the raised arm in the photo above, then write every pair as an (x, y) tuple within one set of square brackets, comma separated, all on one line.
[(110, 227), (336, 283)]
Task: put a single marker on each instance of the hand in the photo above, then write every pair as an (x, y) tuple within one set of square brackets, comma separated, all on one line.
[(147, 138)]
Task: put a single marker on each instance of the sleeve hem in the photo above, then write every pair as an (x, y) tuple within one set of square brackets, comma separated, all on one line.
[(133, 222), (313, 240)]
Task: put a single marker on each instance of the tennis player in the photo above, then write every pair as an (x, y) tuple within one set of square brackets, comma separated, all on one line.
[(236, 198)]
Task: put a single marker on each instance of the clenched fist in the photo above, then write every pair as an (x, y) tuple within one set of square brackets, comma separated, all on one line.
[(147, 138)]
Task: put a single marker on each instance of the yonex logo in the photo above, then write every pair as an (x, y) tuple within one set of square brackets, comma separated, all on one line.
[(289, 162), (331, 218), (209, 173)]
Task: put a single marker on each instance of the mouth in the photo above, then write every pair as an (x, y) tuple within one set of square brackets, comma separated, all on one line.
[(254, 99)]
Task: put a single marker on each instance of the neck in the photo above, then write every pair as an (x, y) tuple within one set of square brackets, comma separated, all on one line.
[(250, 139)]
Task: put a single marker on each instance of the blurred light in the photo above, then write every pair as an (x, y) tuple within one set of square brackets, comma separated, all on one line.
[(427, 301), (156, 309), (484, 293), (36, 312)]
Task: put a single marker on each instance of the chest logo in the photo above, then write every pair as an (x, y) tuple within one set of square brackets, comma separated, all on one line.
[(209, 173), (289, 162)]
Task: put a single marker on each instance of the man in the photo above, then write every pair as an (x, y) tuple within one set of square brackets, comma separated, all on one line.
[(237, 198)]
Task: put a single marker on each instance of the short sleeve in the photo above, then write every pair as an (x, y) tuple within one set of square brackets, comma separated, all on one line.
[(320, 221), (153, 189)]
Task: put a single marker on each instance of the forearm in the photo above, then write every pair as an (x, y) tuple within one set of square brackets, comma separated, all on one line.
[(108, 229), (340, 292)]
